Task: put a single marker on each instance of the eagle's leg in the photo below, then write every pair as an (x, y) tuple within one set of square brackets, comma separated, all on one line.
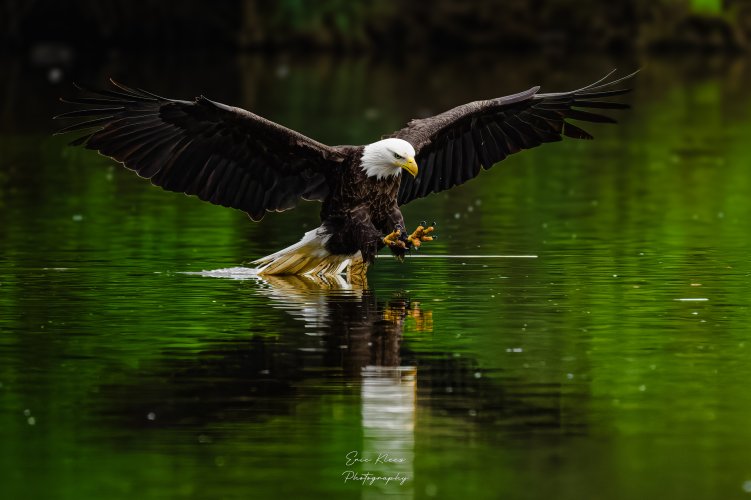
[(394, 240), (420, 234), (397, 242)]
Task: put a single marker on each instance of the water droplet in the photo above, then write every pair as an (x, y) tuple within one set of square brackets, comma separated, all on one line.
[(431, 490), (570, 376), (26, 412), (151, 415), (77, 217), (282, 71), (54, 75), (747, 486), (478, 375), (642, 388), (31, 421)]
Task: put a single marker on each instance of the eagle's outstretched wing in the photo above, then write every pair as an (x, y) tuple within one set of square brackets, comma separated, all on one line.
[(454, 146), (224, 155)]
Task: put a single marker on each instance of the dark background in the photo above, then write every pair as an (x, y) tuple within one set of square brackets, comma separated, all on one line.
[(47, 44), (345, 25)]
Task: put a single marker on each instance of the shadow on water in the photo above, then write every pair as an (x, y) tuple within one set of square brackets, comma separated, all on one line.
[(358, 342), (348, 343)]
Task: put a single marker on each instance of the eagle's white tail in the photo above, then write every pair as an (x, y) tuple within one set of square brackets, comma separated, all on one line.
[(307, 256)]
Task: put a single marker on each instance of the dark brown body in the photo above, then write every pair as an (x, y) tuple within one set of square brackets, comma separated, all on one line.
[(359, 210)]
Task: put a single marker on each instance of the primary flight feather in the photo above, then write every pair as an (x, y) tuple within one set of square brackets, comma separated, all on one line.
[(234, 158)]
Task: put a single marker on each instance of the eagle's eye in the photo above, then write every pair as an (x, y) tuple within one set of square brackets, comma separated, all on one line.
[(398, 156)]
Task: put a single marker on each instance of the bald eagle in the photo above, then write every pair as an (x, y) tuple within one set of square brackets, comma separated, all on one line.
[(231, 157)]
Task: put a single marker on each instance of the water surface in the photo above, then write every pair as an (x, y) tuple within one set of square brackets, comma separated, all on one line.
[(583, 373)]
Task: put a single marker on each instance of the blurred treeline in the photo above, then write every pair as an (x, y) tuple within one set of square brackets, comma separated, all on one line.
[(349, 25)]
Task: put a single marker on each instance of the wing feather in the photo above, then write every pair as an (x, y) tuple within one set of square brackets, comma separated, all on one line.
[(438, 172), (502, 139), (494, 152), (231, 184), (600, 105), (242, 189), (527, 134), (571, 130), (430, 168), (220, 184), (455, 146), (463, 168), (203, 148), (513, 135), (478, 145), (456, 157), (448, 158), (586, 116)]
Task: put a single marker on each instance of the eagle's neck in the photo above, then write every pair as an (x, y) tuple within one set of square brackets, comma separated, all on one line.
[(377, 161)]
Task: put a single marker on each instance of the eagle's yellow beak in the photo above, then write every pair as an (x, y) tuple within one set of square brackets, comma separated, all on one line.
[(410, 166)]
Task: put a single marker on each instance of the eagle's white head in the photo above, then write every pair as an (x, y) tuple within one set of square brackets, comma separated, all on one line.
[(388, 157)]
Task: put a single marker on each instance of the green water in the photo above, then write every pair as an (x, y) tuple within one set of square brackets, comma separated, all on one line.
[(579, 374)]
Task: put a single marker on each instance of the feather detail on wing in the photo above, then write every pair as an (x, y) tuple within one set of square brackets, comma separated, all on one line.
[(454, 146), (221, 154)]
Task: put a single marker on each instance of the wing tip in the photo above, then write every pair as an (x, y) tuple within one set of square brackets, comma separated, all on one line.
[(255, 217), (595, 86)]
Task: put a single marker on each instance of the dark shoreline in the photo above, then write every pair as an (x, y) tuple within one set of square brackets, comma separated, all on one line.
[(342, 26)]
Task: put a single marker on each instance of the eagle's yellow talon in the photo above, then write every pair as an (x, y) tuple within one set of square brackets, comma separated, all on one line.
[(421, 234), (393, 239)]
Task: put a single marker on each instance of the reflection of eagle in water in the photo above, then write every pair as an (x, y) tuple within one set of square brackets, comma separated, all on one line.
[(231, 157)]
